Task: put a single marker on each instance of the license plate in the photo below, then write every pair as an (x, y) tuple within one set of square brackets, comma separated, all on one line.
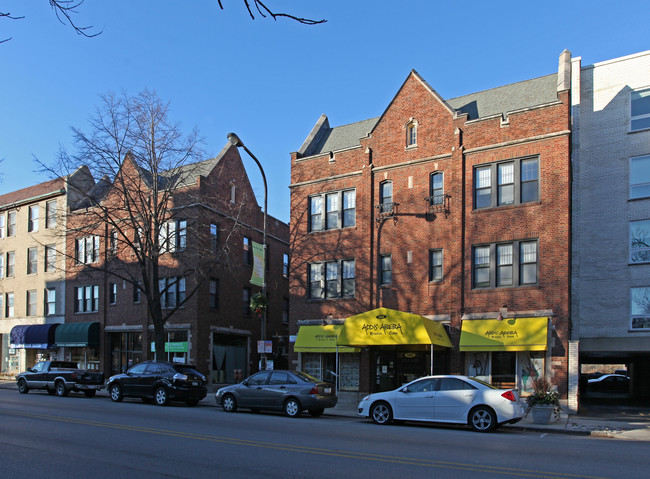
[(194, 383), (327, 390)]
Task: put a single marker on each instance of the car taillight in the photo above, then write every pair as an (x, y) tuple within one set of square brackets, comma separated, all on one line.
[(509, 395), (314, 390)]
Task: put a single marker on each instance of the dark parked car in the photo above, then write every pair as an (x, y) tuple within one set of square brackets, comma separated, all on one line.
[(159, 381), (288, 391), (609, 383), (60, 377)]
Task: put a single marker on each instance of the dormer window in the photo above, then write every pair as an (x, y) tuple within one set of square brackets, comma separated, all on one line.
[(412, 133)]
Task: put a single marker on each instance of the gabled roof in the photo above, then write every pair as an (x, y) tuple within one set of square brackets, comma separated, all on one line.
[(496, 101), (56, 186)]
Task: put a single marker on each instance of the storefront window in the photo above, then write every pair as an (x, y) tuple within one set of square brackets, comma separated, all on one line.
[(229, 358), (126, 350), (504, 369)]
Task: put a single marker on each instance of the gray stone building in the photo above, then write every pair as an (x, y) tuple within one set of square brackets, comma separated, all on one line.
[(611, 219)]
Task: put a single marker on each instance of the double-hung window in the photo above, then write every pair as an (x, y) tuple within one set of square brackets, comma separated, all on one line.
[(332, 210), (640, 241), (11, 224), (505, 264), (112, 293), (31, 302), (87, 250), (640, 112), (50, 258), (172, 291), (9, 305), (50, 301), (640, 177), (214, 293), (214, 237), (32, 260), (32, 224), (332, 279), (506, 183), (412, 134), (386, 269), (86, 299), (173, 236), (2, 265), (435, 265), (11, 264), (3, 225), (436, 188), (50, 214), (386, 196)]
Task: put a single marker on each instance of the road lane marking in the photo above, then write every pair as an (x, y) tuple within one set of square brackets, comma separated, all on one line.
[(307, 449)]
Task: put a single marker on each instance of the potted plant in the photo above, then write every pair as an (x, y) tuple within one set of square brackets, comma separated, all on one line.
[(543, 402)]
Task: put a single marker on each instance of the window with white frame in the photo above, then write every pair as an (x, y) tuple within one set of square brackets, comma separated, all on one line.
[(332, 210), (386, 269), (436, 188), (640, 308), (386, 196), (86, 299), (31, 300), (11, 264), (505, 264), (87, 250), (50, 258), (506, 183), (640, 111), (412, 134), (640, 177), (32, 215), (9, 305), (3, 225), (2, 265), (435, 265), (172, 291), (173, 236), (11, 224), (32, 260), (2, 305), (50, 214), (332, 279), (112, 243), (50, 301), (640, 241)]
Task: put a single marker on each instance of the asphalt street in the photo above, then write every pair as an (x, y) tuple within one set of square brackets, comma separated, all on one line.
[(79, 437)]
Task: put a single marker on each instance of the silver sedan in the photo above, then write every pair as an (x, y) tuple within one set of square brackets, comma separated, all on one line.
[(289, 391)]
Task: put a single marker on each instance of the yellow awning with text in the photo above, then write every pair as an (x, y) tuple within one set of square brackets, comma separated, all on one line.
[(510, 334), (383, 326), (320, 339)]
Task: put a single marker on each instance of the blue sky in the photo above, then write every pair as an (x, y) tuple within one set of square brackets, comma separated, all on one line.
[(270, 81)]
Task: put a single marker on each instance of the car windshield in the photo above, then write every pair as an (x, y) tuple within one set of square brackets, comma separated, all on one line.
[(306, 377), (484, 383)]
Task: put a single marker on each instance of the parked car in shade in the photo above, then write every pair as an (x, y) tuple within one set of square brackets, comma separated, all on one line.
[(289, 391), (445, 399), (609, 383), (159, 382)]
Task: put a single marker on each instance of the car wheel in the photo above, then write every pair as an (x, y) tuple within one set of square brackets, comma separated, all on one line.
[(381, 413), (192, 403), (482, 419), (90, 393), (161, 396), (292, 407), (22, 386), (316, 412), (60, 389), (229, 403), (115, 391)]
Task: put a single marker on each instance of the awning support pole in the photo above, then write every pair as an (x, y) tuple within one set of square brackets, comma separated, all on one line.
[(431, 359), (336, 379)]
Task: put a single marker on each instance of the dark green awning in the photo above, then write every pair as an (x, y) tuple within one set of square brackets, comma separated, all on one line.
[(77, 335)]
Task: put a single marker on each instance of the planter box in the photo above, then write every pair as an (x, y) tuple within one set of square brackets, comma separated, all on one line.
[(542, 414)]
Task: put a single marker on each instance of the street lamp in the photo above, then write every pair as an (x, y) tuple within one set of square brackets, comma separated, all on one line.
[(236, 142)]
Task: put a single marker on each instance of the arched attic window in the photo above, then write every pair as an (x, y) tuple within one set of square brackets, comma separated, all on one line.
[(411, 128)]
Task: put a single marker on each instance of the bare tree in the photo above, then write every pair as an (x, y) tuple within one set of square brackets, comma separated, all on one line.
[(66, 9), (148, 203)]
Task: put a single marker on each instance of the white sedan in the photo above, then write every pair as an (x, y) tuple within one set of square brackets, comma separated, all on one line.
[(449, 399)]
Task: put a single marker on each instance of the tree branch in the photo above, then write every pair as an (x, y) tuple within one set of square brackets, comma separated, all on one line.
[(261, 8)]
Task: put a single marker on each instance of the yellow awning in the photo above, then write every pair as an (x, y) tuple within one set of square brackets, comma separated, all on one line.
[(320, 339), (384, 326), (511, 334)]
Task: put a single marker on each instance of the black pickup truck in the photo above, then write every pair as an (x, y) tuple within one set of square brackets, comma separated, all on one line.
[(60, 377)]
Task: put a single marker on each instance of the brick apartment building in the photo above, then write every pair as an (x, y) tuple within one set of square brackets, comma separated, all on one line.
[(32, 269), (205, 272), (457, 210)]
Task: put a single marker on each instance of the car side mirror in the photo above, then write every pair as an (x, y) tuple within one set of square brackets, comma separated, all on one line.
[(245, 383), (405, 389), (30, 370), (123, 369)]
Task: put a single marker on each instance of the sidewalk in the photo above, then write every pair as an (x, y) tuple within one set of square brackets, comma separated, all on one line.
[(632, 429)]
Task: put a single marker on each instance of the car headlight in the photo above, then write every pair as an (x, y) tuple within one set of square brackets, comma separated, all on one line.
[(366, 398), (180, 377)]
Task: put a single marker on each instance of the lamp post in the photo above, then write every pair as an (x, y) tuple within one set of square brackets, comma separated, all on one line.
[(236, 142)]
